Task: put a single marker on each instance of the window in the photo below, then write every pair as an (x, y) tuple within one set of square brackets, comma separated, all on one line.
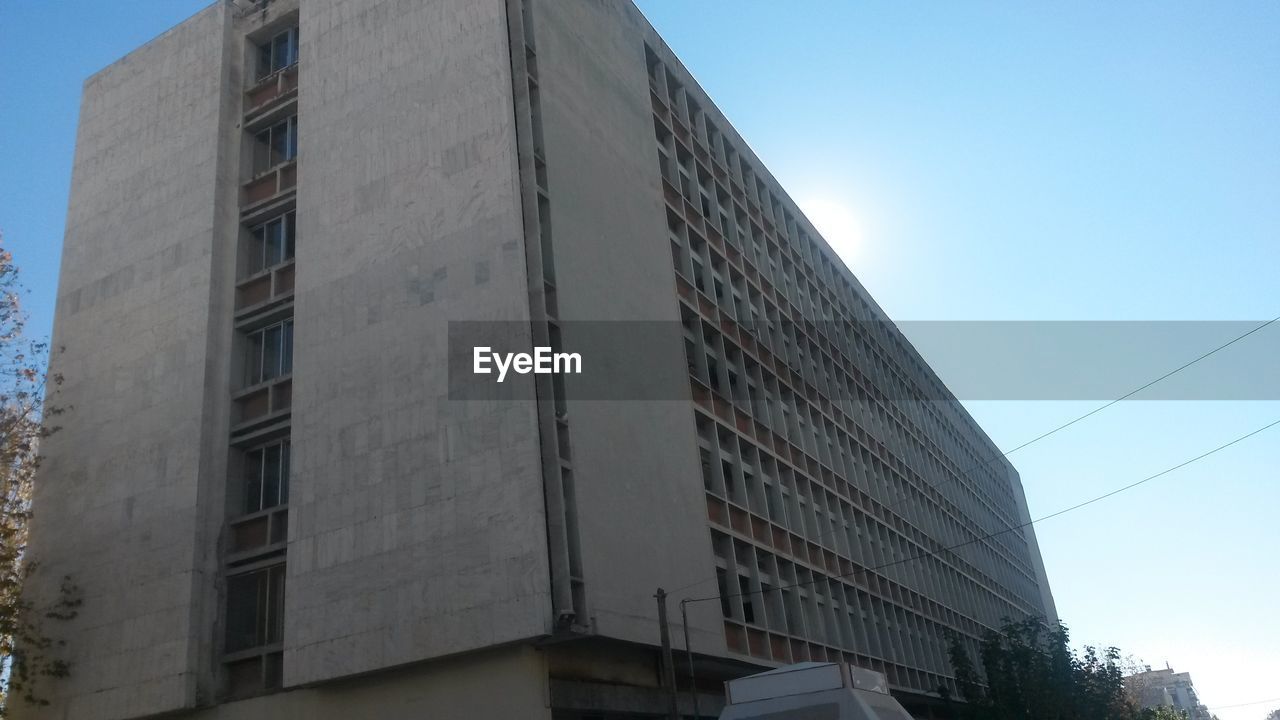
[(278, 53), (270, 353), (266, 477), (272, 243), (748, 599), (255, 609), (722, 584), (275, 145)]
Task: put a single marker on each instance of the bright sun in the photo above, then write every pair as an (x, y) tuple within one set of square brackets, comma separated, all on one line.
[(838, 224)]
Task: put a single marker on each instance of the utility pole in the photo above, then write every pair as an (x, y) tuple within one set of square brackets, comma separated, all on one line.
[(688, 649), (668, 664)]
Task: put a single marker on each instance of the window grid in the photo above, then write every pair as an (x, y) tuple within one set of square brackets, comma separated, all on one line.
[(806, 460), (253, 547)]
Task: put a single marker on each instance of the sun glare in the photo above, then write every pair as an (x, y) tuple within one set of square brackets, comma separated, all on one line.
[(837, 223)]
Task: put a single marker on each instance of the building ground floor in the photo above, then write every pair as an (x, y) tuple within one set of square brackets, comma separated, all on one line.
[(581, 679)]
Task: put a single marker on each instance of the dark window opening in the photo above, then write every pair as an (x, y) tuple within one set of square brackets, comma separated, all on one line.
[(748, 601), (722, 584), (255, 609), (266, 477)]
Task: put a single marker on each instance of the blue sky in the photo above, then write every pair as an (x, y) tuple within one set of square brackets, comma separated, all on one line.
[(970, 161)]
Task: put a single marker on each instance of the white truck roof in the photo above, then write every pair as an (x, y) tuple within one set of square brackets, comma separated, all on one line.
[(812, 691)]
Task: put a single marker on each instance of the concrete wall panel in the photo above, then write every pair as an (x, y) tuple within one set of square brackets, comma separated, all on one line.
[(417, 526), (116, 507), (639, 486)]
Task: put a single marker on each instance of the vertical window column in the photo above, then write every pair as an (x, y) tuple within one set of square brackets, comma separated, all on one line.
[(254, 551)]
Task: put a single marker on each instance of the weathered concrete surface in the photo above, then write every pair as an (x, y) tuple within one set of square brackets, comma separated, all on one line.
[(417, 527), (497, 683), (639, 486), (117, 503)]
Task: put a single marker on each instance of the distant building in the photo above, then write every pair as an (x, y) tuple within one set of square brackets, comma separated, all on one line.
[(1155, 688)]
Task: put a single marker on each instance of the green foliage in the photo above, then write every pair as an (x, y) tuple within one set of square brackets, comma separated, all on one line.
[(1162, 713), (27, 653), (1028, 671)]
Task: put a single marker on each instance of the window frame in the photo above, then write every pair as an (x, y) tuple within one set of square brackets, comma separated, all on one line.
[(266, 56), (283, 462), (256, 369), (259, 254), (264, 145), (269, 593)]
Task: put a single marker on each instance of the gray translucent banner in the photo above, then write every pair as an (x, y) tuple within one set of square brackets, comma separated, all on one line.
[(977, 360)]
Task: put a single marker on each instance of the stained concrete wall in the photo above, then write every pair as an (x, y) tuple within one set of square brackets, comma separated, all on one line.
[(499, 684), (417, 526), (116, 504), (640, 502), (639, 491)]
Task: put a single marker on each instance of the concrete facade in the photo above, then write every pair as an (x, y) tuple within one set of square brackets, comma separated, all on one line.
[(600, 181), (1166, 688), (498, 683), (123, 515), (409, 183), (535, 161)]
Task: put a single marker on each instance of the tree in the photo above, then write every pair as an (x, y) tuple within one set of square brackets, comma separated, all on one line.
[(1275, 715), (26, 652), (1163, 712), (1028, 670), (1138, 682)]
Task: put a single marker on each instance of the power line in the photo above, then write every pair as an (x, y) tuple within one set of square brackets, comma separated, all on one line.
[(1006, 453), (1131, 393), (1058, 513), (1255, 702)]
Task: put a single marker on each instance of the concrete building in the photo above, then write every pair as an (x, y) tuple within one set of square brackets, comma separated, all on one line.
[(275, 507), (1166, 688)]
